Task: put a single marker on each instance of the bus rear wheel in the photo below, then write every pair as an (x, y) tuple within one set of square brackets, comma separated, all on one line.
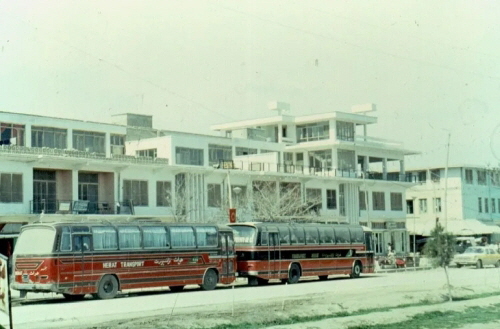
[(356, 270), (70, 297), (209, 280), (176, 288), (293, 274), (107, 288)]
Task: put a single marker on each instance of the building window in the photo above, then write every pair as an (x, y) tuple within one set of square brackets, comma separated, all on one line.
[(397, 201), (486, 210), (378, 240), (49, 137), (481, 177), (245, 151), (88, 189), (378, 199), (11, 134), (163, 194), (117, 143), (136, 191), (320, 159), (89, 141), (422, 176), (345, 131), (480, 204), (422, 203), (314, 198), (188, 156), (469, 179), (217, 153), (346, 160), (435, 175), (495, 178), (437, 205), (151, 153), (362, 200), (11, 188), (493, 208), (214, 195), (410, 206), (342, 199), (313, 132), (331, 199)]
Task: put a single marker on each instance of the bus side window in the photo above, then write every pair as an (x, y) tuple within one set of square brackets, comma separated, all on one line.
[(206, 236), (230, 240), (284, 235), (311, 235), (326, 235), (293, 237), (299, 233), (264, 238), (155, 237), (65, 239), (356, 235)]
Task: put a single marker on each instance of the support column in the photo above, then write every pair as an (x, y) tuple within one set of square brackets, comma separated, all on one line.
[(107, 145), (332, 125), (74, 185), (402, 173), (335, 164), (384, 169), (69, 139), (27, 136), (366, 165)]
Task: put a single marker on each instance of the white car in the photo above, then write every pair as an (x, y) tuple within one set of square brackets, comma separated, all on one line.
[(478, 256)]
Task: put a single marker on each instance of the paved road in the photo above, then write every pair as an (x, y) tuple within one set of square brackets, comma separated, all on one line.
[(350, 292)]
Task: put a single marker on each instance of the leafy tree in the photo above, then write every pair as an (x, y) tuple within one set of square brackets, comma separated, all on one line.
[(440, 247)]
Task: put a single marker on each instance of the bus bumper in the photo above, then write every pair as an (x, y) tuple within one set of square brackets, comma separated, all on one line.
[(34, 287)]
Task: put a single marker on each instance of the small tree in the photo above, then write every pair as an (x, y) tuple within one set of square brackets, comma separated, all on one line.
[(274, 201), (441, 248)]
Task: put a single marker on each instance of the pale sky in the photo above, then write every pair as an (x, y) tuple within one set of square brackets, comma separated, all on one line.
[(431, 67)]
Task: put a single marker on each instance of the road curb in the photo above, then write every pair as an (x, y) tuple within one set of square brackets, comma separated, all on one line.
[(404, 269)]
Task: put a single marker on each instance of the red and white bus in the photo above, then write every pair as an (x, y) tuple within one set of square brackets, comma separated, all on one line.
[(101, 258), (283, 251)]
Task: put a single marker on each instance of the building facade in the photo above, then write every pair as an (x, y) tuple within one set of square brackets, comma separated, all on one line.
[(468, 193), (323, 167)]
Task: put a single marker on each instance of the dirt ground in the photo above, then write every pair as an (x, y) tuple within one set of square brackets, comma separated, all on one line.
[(327, 303)]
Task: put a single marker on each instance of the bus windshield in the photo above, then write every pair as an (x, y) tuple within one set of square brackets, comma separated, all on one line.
[(244, 235), (35, 241)]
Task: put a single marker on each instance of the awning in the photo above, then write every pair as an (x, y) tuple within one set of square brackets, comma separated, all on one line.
[(460, 227)]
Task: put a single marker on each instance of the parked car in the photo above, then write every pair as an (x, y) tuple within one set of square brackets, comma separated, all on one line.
[(478, 256)]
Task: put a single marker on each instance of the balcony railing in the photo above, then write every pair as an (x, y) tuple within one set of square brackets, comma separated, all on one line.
[(48, 206), (15, 149), (318, 171)]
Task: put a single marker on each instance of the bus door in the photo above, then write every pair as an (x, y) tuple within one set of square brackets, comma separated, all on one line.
[(274, 255), (82, 262), (228, 259)]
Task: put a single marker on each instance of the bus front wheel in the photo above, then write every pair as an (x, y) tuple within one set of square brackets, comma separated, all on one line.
[(107, 288), (294, 274), (209, 280), (356, 270)]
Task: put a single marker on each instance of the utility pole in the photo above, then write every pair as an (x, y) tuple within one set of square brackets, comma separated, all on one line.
[(446, 185)]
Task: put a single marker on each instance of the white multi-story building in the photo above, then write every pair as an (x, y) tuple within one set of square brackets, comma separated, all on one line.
[(59, 165), (467, 201)]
